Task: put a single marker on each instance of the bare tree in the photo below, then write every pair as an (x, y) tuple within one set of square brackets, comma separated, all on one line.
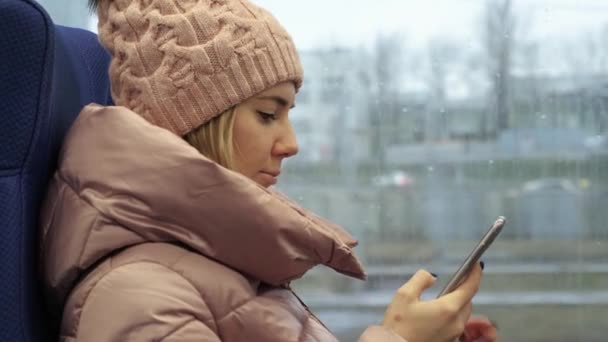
[(587, 54), (586, 59), (527, 98), (386, 67), (387, 64), (441, 54), (499, 28), (603, 41)]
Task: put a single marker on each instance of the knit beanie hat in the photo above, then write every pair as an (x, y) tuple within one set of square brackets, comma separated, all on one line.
[(179, 63)]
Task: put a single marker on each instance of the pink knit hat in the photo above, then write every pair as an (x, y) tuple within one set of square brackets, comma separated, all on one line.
[(179, 63)]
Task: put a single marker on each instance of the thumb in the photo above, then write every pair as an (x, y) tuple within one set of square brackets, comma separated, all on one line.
[(465, 292), (420, 281)]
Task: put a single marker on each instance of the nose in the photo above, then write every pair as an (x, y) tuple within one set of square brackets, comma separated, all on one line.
[(287, 144)]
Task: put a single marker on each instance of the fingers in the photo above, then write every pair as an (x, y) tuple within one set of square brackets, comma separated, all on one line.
[(419, 282), (465, 292), (479, 328), (466, 313), (479, 323), (463, 317)]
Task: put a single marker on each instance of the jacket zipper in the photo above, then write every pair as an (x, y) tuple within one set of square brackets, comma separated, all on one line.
[(288, 287)]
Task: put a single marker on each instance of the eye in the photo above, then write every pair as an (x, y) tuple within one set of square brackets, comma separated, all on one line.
[(267, 117)]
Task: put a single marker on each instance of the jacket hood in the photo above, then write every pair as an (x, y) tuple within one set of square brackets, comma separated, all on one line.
[(122, 181)]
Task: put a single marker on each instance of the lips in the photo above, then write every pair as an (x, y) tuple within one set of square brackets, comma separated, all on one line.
[(273, 173), (268, 178)]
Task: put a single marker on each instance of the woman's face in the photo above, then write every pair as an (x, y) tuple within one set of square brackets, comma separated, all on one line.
[(263, 135)]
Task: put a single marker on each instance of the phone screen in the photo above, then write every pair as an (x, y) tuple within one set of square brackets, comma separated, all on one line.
[(474, 256)]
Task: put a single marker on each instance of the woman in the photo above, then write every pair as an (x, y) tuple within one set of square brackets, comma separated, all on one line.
[(159, 223)]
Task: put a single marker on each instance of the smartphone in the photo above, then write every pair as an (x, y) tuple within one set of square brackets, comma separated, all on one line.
[(474, 256)]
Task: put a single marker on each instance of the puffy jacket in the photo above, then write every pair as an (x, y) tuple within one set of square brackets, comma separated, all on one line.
[(144, 239)]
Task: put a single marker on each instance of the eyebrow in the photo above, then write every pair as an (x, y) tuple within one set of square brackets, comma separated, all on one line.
[(277, 99)]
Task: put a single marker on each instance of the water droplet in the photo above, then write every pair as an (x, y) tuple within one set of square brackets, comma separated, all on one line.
[(442, 110), (430, 168), (491, 162), (543, 117), (404, 110)]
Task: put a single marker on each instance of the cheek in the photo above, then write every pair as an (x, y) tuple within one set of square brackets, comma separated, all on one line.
[(250, 160), (251, 143), (253, 152)]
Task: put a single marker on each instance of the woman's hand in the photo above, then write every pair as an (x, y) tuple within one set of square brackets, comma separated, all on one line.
[(442, 319), (479, 329)]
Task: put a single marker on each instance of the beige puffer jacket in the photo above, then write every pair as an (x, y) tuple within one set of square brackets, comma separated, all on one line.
[(143, 239)]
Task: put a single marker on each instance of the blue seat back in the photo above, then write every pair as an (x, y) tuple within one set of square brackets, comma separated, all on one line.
[(47, 74)]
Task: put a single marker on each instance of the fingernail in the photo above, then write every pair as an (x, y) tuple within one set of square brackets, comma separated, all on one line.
[(494, 324), (434, 275), (482, 264)]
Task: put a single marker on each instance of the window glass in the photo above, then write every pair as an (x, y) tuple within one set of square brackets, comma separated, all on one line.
[(434, 118), (70, 13), (420, 122)]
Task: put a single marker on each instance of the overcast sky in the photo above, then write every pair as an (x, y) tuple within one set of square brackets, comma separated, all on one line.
[(314, 23), (355, 22)]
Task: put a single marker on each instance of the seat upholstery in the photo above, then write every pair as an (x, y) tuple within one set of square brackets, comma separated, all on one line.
[(47, 74)]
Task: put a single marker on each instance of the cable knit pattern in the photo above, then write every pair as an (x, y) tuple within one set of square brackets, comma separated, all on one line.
[(179, 63)]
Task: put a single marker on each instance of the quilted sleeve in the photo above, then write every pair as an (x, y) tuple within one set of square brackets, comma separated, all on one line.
[(143, 301)]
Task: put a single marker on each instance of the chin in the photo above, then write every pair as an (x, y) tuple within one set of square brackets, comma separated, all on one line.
[(265, 180)]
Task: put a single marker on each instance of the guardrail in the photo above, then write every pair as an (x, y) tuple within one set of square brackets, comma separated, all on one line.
[(512, 268)]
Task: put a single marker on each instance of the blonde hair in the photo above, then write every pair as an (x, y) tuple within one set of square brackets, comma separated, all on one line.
[(214, 139)]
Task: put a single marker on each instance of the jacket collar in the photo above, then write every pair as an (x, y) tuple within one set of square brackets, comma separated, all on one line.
[(151, 183)]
